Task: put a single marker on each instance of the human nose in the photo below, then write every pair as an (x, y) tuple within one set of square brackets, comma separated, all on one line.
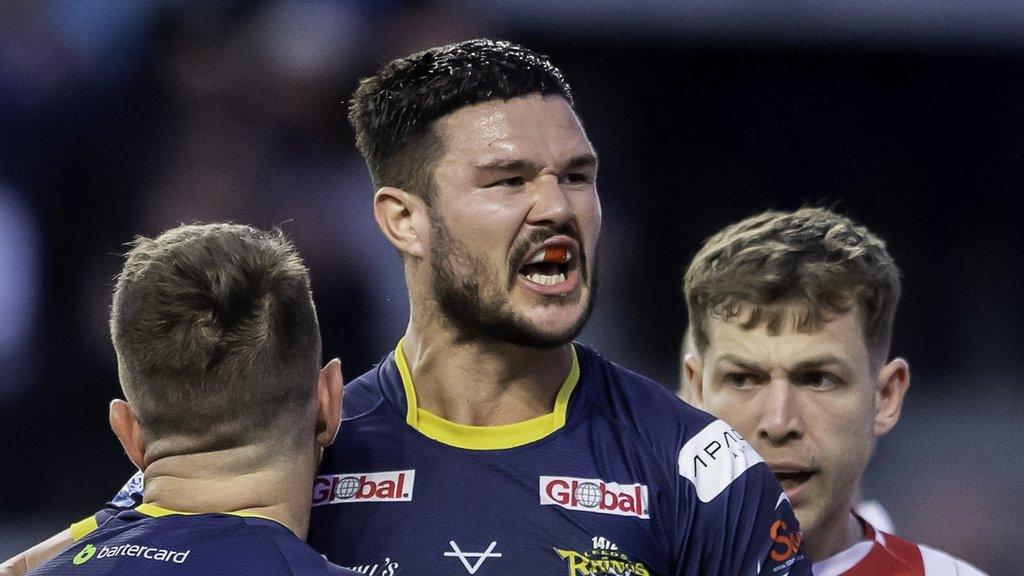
[(551, 204), (780, 414)]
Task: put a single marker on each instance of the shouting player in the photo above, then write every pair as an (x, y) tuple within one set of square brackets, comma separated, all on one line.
[(792, 316), (217, 350), (487, 442)]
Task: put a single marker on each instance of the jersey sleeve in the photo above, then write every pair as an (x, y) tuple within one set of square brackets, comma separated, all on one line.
[(734, 517), (129, 496)]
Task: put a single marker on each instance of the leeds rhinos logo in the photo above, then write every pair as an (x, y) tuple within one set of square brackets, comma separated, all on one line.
[(392, 486), (594, 495), (604, 559)]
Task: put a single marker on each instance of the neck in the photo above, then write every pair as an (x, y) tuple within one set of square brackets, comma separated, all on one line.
[(234, 481), (483, 383), (836, 535)]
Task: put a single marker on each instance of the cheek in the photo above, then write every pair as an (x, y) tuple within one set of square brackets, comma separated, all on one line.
[(588, 211), (847, 437), (741, 414)]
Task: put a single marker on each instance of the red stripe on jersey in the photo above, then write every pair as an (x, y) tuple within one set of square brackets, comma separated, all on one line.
[(889, 556)]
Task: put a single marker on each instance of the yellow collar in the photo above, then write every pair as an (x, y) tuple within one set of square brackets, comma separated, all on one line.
[(485, 437), (154, 511)]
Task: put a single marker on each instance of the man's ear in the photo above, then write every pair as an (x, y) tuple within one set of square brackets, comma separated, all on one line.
[(329, 390), (401, 216), (690, 389), (126, 427), (893, 381)]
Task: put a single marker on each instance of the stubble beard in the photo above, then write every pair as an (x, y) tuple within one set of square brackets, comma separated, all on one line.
[(471, 302)]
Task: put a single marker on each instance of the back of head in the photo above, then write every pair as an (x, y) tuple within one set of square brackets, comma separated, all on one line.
[(799, 269), (216, 337), (393, 111)]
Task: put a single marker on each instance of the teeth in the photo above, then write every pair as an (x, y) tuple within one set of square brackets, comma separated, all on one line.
[(545, 280), (555, 255)]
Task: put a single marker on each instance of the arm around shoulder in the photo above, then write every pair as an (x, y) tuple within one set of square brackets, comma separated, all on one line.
[(36, 555)]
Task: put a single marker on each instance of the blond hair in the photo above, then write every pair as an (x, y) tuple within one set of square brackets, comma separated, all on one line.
[(804, 268)]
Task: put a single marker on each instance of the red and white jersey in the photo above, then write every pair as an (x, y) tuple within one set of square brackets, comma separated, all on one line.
[(881, 554)]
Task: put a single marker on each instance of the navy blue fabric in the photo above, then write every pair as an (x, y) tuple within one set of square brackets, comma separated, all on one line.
[(201, 545), (467, 506)]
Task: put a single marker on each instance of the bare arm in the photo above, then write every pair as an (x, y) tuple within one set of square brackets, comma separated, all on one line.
[(36, 555)]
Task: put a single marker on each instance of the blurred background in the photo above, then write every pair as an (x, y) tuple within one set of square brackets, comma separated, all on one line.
[(125, 118)]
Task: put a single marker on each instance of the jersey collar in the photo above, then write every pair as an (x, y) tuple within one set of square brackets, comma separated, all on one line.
[(485, 437)]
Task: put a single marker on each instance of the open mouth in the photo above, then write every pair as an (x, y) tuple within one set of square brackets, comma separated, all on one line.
[(791, 480), (549, 266)]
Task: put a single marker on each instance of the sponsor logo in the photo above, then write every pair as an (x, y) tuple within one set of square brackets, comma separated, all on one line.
[(604, 559), (593, 495), (478, 557), (394, 486), (388, 567), (786, 542), (84, 554), (133, 550), (715, 457)]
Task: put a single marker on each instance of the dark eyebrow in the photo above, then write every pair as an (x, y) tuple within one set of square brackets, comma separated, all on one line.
[(514, 165), (816, 362), (583, 161), (745, 364), (504, 165)]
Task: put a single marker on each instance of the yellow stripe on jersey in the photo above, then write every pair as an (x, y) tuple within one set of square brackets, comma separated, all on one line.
[(485, 437), (82, 528), (154, 511)]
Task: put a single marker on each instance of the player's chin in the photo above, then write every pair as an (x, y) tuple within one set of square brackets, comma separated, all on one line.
[(557, 323)]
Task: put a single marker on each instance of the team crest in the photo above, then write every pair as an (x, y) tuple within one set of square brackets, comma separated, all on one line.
[(604, 559)]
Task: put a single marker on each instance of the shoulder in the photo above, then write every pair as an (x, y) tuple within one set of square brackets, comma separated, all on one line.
[(931, 562), (938, 563), (301, 559), (637, 402), (703, 449), (364, 394)]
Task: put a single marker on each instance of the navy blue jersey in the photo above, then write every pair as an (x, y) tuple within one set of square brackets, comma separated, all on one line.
[(621, 478), (150, 540)]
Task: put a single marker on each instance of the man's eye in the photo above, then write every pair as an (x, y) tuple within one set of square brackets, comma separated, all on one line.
[(576, 178), (513, 182), (819, 380), (740, 379)]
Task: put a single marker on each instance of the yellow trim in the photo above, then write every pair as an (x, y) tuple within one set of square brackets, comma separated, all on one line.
[(154, 511), (82, 528), (484, 437)]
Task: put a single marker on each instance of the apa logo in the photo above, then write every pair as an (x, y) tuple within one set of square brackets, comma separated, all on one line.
[(787, 543), (393, 486), (84, 555), (594, 495)]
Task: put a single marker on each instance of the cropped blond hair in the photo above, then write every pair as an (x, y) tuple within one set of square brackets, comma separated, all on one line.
[(803, 268)]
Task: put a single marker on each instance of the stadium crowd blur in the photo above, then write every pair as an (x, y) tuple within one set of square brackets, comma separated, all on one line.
[(119, 119)]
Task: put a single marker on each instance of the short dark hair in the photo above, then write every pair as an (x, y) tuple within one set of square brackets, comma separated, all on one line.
[(216, 335), (393, 111), (811, 262)]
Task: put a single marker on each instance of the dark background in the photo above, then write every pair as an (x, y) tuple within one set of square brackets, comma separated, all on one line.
[(125, 119)]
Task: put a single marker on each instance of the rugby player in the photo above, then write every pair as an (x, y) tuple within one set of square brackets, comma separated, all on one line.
[(870, 510), (792, 316), (218, 350), (488, 442)]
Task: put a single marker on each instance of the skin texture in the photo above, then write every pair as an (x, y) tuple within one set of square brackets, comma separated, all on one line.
[(268, 481), (485, 345), (812, 403), (243, 480)]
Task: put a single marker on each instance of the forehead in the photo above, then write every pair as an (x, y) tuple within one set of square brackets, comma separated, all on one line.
[(543, 128), (841, 337)]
